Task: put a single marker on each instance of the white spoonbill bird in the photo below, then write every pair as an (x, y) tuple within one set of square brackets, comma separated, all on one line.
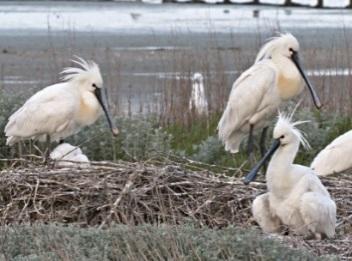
[(198, 100), (62, 109), (66, 155), (336, 157), (296, 197), (276, 76)]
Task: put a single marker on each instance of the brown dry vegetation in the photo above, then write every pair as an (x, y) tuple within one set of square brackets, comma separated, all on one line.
[(150, 193)]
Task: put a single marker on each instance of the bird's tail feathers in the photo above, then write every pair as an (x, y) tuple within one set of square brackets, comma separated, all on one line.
[(233, 142), (11, 140), (319, 213), (228, 134)]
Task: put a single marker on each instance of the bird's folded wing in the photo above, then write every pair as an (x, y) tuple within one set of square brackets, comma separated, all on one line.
[(246, 98), (335, 157), (41, 114)]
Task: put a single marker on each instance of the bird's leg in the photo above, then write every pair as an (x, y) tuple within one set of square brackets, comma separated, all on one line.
[(47, 150), (250, 146), (262, 145), (20, 151), (262, 141), (30, 147)]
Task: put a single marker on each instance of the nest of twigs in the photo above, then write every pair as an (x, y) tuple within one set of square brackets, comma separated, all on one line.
[(136, 193)]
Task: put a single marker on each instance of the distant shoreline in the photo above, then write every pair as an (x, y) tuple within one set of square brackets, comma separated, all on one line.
[(211, 2)]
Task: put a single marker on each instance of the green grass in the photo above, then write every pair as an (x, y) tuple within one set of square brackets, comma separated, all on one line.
[(119, 242), (142, 138), (185, 137), (199, 142)]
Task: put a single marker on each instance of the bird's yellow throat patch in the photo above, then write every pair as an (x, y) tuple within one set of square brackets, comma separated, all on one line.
[(289, 87)]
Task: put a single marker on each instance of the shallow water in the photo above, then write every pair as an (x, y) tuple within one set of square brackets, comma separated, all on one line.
[(144, 48), (137, 18)]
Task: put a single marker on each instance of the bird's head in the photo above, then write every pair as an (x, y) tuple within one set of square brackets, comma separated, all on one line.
[(197, 77), (87, 77), (286, 45), (285, 134)]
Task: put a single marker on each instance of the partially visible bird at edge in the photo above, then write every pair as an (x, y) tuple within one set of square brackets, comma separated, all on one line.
[(335, 157)]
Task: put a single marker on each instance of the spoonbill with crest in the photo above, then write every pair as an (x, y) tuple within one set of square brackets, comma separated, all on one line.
[(62, 109), (296, 197), (275, 77)]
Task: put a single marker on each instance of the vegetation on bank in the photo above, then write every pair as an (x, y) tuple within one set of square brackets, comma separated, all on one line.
[(145, 137), (121, 242)]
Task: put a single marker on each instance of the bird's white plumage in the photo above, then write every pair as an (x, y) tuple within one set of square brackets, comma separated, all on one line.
[(198, 100), (65, 150), (38, 115), (66, 155), (295, 194), (59, 110), (335, 157), (252, 100), (264, 216), (257, 94)]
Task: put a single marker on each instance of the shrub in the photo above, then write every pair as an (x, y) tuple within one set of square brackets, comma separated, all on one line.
[(139, 139), (43, 242), (209, 150)]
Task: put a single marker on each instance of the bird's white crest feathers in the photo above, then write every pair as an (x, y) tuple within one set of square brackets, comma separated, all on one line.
[(271, 44), (285, 122), (89, 69)]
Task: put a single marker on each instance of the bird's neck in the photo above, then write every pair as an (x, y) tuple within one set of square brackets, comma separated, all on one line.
[(89, 109), (283, 158), (289, 81), (278, 173)]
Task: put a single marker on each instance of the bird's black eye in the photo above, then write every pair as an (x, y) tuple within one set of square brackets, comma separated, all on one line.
[(291, 50), (282, 136), (94, 85)]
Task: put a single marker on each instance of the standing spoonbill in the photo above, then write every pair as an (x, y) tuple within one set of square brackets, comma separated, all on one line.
[(276, 76), (198, 100), (296, 197), (62, 109), (336, 157)]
